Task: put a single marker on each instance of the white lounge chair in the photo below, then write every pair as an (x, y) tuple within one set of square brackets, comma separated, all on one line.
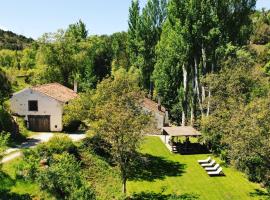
[(209, 164), (212, 168), (215, 173), (205, 161)]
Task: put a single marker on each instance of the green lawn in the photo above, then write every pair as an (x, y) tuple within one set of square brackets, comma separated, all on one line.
[(16, 189), (182, 175)]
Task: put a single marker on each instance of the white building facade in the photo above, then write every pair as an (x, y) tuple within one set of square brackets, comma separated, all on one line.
[(42, 106)]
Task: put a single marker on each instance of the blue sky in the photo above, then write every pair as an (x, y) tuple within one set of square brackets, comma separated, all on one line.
[(32, 18)]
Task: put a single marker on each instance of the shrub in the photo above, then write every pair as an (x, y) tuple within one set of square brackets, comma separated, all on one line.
[(267, 68), (28, 168), (57, 145), (72, 125), (63, 179), (97, 145), (32, 157), (6, 123), (3, 143)]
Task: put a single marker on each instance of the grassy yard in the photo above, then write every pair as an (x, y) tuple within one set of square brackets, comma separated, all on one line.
[(17, 189), (182, 175)]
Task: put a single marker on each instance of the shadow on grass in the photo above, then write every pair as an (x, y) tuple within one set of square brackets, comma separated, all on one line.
[(150, 167), (16, 140), (260, 193), (160, 196), (30, 143), (191, 149), (6, 194), (6, 182)]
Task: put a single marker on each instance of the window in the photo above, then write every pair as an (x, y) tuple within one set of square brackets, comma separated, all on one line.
[(32, 106)]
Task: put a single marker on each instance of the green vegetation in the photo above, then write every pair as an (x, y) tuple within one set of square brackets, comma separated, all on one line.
[(12, 187), (209, 63), (243, 141), (12, 41), (104, 177), (116, 116), (168, 174), (160, 175), (3, 144), (55, 166), (261, 29)]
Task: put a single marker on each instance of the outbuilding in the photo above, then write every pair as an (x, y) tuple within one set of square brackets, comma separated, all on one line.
[(42, 106), (159, 112)]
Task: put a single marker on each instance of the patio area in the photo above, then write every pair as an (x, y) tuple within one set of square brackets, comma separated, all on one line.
[(183, 139)]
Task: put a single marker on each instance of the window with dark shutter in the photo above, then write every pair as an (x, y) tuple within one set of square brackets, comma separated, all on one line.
[(32, 106)]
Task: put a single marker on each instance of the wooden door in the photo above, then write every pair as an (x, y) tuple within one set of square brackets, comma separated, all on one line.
[(39, 123)]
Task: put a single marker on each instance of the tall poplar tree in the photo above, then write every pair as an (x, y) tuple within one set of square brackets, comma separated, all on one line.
[(143, 35), (204, 28)]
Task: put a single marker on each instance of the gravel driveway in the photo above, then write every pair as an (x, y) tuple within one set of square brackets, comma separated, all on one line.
[(33, 141)]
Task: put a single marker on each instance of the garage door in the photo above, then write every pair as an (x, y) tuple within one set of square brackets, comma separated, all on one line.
[(39, 123)]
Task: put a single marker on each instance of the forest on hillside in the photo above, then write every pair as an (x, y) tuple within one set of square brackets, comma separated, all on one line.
[(208, 62), (13, 41)]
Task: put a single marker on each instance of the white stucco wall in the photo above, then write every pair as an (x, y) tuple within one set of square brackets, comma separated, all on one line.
[(46, 106)]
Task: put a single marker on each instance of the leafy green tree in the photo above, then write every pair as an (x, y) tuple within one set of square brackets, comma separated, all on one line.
[(201, 30), (77, 31), (239, 90), (62, 59), (102, 58), (7, 58), (261, 27), (119, 49), (133, 32), (114, 113), (143, 35), (5, 87), (67, 56), (28, 59)]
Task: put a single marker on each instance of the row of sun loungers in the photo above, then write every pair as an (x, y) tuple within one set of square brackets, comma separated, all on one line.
[(211, 167)]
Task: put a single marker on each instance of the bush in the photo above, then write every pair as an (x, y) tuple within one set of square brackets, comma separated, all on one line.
[(98, 146), (267, 68), (72, 125), (3, 143), (63, 179), (57, 145), (32, 157), (6, 123), (28, 168)]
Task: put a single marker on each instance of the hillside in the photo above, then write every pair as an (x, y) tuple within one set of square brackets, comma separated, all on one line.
[(13, 41)]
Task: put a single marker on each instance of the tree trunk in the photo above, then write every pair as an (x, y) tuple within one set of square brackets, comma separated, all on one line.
[(203, 93), (203, 71), (193, 104), (192, 113), (208, 104), (209, 91), (124, 185), (184, 103), (204, 60), (196, 78)]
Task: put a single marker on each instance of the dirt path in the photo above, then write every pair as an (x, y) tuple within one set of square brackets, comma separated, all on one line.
[(32, 141)]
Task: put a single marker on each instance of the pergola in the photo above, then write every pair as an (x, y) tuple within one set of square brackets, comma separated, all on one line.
[(177, 131)]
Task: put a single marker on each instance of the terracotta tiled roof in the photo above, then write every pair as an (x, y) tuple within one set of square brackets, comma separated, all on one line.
[(153, 106), (56, 91), (181, 131)]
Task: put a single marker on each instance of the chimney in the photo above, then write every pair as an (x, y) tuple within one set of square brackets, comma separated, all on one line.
[(75, 86), (159, 104)]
